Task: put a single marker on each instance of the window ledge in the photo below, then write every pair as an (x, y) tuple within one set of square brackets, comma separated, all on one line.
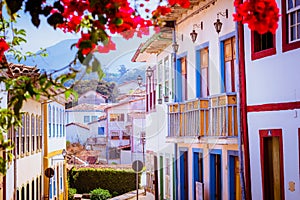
[(262, 54)]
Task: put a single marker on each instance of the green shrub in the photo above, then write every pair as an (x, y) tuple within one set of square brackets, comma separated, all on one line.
[(100, 194), (71, 192), (113, 180), (114, 194)]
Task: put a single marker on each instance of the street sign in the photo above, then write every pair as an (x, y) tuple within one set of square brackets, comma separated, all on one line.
[(137, 165), (49, 172)]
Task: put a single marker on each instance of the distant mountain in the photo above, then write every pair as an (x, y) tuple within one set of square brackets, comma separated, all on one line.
[(60, 55)]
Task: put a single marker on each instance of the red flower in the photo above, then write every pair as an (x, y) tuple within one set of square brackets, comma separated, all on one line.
[(3, 47), (88, 45), (260, 15)]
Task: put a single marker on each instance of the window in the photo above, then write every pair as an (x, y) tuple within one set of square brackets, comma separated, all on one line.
[(125, 135), (61, 177), (271, 153), (117, 117), (17, 130), (86, 119), (290, 24), (204, 72), (32, 189), (53, 122), (262, 45), (61, 122), (57, 121), (167, 67), (23, 135), (37, 189), (37, 128), (100, 130), (184, 78), (49, 120), (41, 132), (27, 191), (229, 65), (32, 132), (94, 118), (114, 135), (27, 132)]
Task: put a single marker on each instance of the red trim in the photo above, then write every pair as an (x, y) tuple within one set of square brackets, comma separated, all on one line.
[(274, 107), (263, 53), (262, 135), (286, 46), (243, 108)]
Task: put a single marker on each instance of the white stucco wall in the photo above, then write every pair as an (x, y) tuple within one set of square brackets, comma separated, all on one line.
[(57, 142), (208, 34), (289, 126), (77, 134)]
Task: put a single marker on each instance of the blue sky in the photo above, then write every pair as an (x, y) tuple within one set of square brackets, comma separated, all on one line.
[(41, 37)]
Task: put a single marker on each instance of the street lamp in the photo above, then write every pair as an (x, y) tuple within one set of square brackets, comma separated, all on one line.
[(139, 80), (143, 141), (149, 72)]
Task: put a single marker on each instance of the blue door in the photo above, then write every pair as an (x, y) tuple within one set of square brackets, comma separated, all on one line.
[(215, 177), (183, 175)]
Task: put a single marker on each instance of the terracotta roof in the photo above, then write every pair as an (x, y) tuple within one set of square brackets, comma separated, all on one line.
[(78, 124), (177, 12), (15, 70), (87, 107)]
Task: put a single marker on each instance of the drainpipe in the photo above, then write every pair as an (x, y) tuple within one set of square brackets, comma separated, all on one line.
[(242, 116), (240, 148)]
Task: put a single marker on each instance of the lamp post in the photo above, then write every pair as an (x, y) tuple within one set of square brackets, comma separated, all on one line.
[(139, 80), (143, 141)]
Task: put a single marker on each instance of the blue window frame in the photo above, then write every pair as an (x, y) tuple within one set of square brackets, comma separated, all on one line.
[(100, 130)]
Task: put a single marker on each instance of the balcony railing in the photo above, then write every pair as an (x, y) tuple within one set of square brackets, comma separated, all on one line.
[(215, 116)]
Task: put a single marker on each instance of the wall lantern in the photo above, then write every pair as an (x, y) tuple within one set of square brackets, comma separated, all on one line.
[(218, 24), (194, 34), (175, 47)]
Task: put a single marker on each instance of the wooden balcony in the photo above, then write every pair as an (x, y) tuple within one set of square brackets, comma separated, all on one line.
[(189, 118), (215, 116)]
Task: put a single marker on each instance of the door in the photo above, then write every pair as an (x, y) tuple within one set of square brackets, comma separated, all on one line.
[(183, 175), (215, 177)]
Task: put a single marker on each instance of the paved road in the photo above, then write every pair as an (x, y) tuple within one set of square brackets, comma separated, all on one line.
[(132, 196)]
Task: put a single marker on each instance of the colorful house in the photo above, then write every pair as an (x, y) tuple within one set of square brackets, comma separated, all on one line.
[(125, 124), (160, 158), (271, 94), (54, 148), (84, 113), (203, 120)]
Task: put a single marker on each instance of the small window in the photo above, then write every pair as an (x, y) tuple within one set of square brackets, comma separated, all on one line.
[(262, 45), (100, 130), (94, 118), (32, 132), (27, 133), (115, 135), (117, 117), (86, 119), (290, 24)]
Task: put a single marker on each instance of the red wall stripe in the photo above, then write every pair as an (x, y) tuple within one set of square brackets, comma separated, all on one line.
[(274, 107)]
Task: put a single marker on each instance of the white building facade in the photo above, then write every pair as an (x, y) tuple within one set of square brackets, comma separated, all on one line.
[(273, 103)]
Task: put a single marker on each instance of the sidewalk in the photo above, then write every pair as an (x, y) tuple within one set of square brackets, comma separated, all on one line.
[(132, 196)]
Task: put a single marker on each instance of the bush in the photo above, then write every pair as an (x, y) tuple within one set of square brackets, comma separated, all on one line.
[(71, 193), (100, 194), (113, 180)]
